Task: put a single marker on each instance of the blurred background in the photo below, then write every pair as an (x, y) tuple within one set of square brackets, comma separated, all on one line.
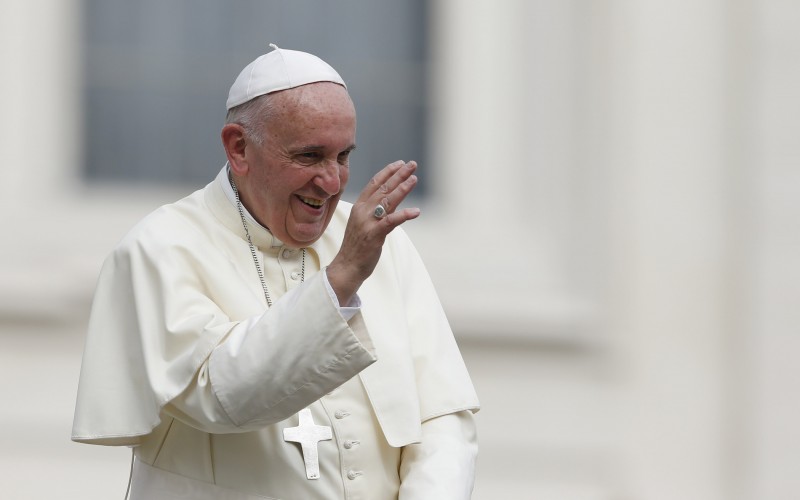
[(611, 213)]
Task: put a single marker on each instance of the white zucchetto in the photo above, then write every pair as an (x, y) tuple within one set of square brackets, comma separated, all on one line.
[(280, 69)]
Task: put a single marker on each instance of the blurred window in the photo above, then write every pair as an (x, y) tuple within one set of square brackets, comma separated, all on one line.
[(157, 75)]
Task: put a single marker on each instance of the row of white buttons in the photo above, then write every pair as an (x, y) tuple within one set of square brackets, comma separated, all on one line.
[(352, 473)]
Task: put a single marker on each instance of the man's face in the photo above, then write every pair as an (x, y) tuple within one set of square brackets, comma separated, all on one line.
[(296, 177)]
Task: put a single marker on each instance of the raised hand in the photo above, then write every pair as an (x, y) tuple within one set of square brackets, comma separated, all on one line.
[(367, 228)]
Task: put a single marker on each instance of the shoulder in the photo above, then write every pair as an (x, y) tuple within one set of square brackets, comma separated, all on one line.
[(175, 224)]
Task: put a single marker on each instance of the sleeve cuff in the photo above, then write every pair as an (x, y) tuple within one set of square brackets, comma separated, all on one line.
[(348, 310)]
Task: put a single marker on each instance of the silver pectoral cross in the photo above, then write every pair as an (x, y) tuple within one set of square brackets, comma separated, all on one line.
[(308, 434)]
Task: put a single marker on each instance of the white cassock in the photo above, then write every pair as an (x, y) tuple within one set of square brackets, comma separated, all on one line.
[(185, 362)]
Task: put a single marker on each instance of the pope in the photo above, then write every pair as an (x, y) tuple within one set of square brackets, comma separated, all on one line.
[(261, 338)]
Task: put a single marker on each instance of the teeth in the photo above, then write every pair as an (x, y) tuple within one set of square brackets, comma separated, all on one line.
[(312, 201)]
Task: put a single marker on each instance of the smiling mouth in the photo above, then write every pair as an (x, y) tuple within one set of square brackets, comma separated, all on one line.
[(312, 202)]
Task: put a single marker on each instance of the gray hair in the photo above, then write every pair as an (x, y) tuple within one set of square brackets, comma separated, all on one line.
[(252, 116)]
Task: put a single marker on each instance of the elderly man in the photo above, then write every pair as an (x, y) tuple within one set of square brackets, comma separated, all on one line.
[(261, 339)]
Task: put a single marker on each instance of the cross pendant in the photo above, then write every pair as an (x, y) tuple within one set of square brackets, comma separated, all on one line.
[(308, 434)]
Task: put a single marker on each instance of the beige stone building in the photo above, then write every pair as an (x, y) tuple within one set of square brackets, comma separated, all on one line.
[(623, 178)]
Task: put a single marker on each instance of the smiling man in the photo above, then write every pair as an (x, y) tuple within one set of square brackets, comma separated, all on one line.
[(262, 339)]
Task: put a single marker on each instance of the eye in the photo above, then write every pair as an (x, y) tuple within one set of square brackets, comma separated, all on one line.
[(308, 157), (344, 156)]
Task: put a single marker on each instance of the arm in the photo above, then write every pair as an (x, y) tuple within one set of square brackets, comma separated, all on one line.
[(274, 364), (442, 465)]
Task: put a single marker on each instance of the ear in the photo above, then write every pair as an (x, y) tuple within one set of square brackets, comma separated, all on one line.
[(234, 141)]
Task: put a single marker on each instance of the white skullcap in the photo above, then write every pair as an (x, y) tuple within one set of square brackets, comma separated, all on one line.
[(280, 69)]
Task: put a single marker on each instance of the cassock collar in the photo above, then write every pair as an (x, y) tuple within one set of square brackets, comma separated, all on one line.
[(222, 200)]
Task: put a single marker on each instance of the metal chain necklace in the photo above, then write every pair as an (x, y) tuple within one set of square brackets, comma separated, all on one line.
[(253, 247)]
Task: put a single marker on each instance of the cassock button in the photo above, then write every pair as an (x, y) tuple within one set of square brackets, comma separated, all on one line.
[(350, 443), (340, 414), (287, 252), (295, 275), (352, 474)]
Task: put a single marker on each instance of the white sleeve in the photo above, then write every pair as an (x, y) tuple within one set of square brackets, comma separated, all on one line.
[(275, 364), (442, 465)]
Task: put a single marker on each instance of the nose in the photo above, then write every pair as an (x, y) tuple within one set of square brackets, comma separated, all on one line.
[(328, 178)]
